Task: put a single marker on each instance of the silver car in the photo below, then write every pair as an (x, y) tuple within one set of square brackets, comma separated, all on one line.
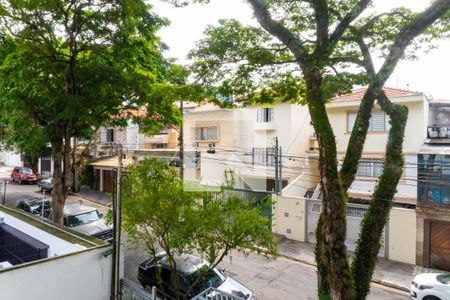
[(87, 220)]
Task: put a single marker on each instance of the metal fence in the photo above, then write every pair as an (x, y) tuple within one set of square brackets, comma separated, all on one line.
[(133, 291), (355, 214)]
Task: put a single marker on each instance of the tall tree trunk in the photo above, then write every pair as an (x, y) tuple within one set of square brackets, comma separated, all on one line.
[(76, 166), (331, 252), (368, 245), (58, 193)]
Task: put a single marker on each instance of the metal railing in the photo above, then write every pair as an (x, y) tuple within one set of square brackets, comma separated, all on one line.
[(133, 291)]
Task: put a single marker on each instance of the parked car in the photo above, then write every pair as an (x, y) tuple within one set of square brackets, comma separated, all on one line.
[(22, 174), (189, 268), (34, 206), (46, 184), (87, 220), (431, 286)]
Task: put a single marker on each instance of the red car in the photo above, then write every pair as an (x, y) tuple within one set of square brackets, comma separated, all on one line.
[(22, 174)]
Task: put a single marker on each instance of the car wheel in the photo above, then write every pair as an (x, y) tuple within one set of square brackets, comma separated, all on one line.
[(431, 298), (20, 181)]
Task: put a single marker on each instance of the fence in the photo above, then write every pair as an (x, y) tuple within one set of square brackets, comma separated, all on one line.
[(133, 291)]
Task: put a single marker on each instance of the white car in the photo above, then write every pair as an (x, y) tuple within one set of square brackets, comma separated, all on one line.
[(431, 286)]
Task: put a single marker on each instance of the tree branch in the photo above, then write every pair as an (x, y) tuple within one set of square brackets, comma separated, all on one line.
[(292, 42), (322, 23), (345, 22)]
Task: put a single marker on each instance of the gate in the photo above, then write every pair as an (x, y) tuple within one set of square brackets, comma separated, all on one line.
[(355, 213)]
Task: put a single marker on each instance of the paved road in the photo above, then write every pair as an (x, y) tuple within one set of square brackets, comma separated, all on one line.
[(270, 279), (16, 192)]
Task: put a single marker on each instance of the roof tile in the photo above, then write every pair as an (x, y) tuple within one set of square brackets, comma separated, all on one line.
[(358, 94)]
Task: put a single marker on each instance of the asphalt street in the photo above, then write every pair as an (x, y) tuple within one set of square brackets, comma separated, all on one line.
[(270, 279)]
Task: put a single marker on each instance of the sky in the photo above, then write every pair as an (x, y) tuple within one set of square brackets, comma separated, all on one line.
[(429, 74)]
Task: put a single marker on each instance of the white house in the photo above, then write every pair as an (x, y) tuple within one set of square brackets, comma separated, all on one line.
[(243, 140)]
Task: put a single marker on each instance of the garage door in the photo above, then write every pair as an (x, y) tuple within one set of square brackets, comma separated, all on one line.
[(440, 246)]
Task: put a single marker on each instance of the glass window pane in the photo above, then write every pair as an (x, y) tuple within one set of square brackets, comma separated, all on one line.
[(351, 117)]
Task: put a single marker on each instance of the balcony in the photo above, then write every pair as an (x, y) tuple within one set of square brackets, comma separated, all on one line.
[(438, 135), (157, 139), (265, 126)]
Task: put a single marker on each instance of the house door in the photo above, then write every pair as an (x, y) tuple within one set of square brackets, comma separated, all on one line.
[(107, 181), (46, 165), (440, 245), (97, 179)]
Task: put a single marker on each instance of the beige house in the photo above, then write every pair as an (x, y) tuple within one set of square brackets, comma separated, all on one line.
[(296, 215), (243, 140)]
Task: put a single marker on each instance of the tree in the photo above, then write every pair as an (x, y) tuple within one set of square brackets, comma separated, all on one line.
[(26, 137), (72, 65), (308, 51), (159, 214)]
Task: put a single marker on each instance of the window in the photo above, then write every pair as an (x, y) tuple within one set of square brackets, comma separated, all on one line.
[(160, 146), (264, 156), (206, 133), (109, 135), (265, 115), (379, 122), (370, 168), (433, 179)]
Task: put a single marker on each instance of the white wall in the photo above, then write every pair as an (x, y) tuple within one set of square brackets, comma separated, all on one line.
[(10, 158), (85, 275), (402, 235), (56, 245), (289, 217)]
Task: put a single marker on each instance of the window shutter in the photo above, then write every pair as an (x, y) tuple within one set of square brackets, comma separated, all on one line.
[(351, 117), (377, 122), (271, 114), (259, 117)]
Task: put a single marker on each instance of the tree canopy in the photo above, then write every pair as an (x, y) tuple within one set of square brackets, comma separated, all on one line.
[(159, 214), (70, 66)]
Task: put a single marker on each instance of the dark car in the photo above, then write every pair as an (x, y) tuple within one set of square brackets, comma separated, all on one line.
[(46, 184), (156, 272), (23, 174), (34, 206)]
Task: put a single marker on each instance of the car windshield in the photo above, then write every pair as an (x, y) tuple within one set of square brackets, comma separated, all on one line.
[(444, 278), (26, 171), (83, 218), (209, 278), (36, 208)]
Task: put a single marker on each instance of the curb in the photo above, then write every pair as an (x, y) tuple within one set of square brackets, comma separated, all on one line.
[(374, 280), (90, 200)]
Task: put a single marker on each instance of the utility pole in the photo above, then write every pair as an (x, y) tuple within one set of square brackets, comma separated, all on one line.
[(182, 141), (278, 168), (117, 226)]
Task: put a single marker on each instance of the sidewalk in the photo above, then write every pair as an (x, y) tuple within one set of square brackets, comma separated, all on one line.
[(387, 272), (94, 195)]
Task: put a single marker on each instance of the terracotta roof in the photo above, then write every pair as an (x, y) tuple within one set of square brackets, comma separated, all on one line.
[(113, 162), (358, 94)]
